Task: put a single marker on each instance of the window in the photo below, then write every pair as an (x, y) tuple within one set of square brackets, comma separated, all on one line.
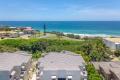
[(69, 78), (23, 68), (12, 73), (22, 72), (53, 77), (61, 78), (10, 76)]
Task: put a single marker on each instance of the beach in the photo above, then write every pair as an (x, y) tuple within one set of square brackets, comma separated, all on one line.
[(77, 27), (81, 28), (93, 35)]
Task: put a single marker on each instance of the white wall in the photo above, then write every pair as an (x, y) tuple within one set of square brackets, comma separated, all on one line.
[(110, 44)]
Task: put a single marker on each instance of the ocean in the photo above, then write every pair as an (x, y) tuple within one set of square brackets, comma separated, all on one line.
[(77, 27)]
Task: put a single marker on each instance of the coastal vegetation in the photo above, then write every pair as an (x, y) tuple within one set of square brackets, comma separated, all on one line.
[(90, 49), (92, 73), (60, 34), (117, 53)]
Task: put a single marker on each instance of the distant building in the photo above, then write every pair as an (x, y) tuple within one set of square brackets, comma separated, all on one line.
[(29, 30), (112, 43), (61, 66), (15, 66), (110, 70), (13, 28)]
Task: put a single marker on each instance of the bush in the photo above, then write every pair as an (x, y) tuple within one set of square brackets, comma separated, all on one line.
[(94, 77), (36, 55), (39, 46), (117, 53), (92, 73), (93, 49), (7, 49)]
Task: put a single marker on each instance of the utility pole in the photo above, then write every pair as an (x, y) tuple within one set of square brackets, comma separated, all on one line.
[(44, 29)]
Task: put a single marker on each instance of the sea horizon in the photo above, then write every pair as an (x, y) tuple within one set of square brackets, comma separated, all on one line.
[(102, 28)]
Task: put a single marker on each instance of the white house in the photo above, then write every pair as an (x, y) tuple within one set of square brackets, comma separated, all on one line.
[(61, 66), (112, 43)]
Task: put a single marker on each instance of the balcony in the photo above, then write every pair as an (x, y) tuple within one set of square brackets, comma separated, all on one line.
[(12, 74), (23, 68), (22, 74)]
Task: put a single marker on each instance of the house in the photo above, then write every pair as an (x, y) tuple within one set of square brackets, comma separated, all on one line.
[(112, 43), (110, 70), (8, 34), (63, 65), (15, 66), (29, 30)]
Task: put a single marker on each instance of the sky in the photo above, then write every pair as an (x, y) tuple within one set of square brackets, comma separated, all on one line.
[(59, 10)]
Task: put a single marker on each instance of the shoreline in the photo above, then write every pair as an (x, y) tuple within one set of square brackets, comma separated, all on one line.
[(92, 35), (65, 33)]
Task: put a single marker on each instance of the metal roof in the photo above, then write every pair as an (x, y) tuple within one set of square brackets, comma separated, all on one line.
[(61, 61), (9, 60), (109, 67)]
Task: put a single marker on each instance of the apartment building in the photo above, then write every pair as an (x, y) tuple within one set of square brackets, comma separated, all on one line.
[(112, 43), (110, 70), (15, 66), (61, 66)]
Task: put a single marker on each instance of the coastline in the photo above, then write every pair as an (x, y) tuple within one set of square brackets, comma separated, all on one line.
[(87, 28), (93, 35)]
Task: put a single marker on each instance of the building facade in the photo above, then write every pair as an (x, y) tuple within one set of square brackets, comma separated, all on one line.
[(15, 66), (112, 43), (61, 66)]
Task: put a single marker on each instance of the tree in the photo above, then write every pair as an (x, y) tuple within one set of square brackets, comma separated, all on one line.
[(117, 53), (77, 37), (39, 46), (59, 35), (70, 35), (87, 48), (94, 77), (6, 29), (36, 55), (92, 73)]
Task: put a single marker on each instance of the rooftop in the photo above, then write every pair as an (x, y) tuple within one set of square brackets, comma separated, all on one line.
[(9, 60), (109, 67), (61, 61), (116, 40), (116, 72)]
